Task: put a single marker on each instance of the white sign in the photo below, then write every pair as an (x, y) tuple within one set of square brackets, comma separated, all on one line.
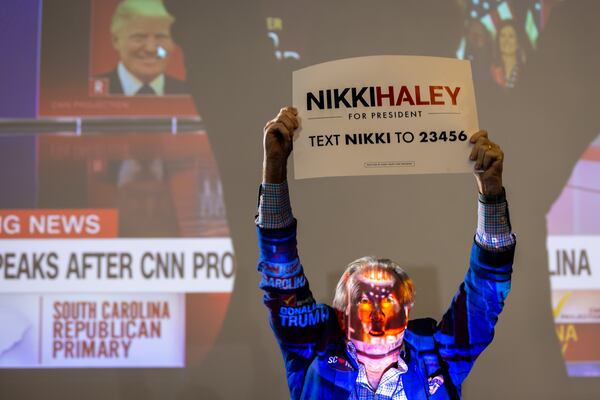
[(384, 115), (204, 265), (574, 261)]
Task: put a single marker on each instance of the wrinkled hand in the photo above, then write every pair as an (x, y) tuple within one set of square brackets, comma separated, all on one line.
[(488, 157), (278, 144)]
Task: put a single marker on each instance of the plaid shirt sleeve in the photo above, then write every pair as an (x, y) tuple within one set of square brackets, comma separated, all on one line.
[(274, 209), (493, 225)]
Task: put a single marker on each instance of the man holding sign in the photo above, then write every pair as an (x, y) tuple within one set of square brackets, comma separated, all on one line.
[(365, 347)]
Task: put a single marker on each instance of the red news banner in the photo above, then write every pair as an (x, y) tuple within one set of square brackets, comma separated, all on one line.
[(58, 223)]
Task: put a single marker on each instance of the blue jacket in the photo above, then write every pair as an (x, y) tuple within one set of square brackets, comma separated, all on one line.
[(314, 349)]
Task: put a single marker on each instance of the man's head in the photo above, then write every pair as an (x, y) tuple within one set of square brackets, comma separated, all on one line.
[(373, 299), (141, 34)]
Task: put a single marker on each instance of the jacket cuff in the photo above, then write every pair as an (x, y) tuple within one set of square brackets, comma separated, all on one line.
[(492, 265), (277, 245)]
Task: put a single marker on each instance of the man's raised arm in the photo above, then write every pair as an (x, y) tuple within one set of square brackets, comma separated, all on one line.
[(276, 227), (297, 321), (282, 273), (493, 224), (467, 328), (274, 209)]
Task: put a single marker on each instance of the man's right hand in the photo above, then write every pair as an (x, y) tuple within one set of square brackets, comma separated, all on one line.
[(278, 143)]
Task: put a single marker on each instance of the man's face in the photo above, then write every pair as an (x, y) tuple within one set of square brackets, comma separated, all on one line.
[(375, 315), (138, 43)]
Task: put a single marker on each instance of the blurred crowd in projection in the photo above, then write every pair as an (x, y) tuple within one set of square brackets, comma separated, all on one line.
[(497, 36)]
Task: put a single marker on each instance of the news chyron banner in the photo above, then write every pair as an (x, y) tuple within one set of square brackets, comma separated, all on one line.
[(384, 115), (574, 257), (114, 250)]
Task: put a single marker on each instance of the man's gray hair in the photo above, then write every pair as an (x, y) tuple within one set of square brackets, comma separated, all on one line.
[(370, 264), (137, 8)]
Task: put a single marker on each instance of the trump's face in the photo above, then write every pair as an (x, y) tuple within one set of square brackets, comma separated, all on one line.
[(375, 315), (144, 45)]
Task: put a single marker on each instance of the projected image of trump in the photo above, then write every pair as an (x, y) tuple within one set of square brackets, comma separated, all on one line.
[(141, 35)]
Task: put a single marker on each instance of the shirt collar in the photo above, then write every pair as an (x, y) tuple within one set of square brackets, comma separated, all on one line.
[(131, 84), (391, 380), (401, 367)]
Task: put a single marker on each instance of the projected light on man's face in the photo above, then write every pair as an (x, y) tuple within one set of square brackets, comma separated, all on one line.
[(144, 45), (375, 315)]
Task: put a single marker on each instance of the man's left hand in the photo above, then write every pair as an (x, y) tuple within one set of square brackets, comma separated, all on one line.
[(488, 157)]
